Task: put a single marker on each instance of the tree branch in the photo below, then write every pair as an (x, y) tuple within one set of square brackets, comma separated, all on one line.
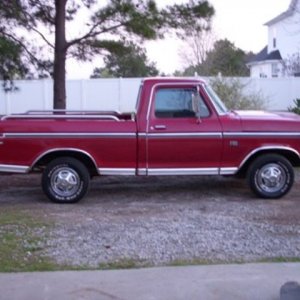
[(42, 36), (45, 13), (22, 45), (93, 33)]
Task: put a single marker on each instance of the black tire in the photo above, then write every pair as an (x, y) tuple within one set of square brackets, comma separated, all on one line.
[(271, 176), (65, 180)]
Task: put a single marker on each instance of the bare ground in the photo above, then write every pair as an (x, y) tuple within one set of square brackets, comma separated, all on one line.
[(160, 220)]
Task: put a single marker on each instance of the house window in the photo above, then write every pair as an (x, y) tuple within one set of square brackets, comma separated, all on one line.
[(274, 37), (262, 73), (275, 70)]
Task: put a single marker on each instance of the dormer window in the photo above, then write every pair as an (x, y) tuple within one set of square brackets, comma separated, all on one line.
[(274, 38)]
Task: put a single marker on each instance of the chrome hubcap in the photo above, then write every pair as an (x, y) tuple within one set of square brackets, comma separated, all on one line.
[(65, 182), (271, 177)]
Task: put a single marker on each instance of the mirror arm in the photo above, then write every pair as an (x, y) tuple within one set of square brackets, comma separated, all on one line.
[(199, 121)]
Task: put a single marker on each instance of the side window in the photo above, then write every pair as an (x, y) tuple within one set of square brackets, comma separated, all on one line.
[(177, 103)]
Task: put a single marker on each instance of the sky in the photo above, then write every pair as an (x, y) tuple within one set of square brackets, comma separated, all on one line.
[(240, 21)]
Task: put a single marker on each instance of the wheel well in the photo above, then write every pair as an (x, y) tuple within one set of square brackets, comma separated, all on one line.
[(291, 156), (43, 161)]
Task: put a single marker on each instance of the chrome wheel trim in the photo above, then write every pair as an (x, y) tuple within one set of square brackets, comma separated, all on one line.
[(271, 178), (65, 182)]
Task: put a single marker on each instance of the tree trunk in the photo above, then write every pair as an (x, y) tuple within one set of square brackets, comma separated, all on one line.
[(59, 91)]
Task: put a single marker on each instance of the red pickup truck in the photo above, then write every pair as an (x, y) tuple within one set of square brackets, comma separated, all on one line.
[(180, 127)]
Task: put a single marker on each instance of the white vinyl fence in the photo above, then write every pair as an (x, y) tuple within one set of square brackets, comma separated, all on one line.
[(121, 94)]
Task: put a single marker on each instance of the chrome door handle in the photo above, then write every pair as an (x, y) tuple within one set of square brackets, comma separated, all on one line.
[(160, 127)]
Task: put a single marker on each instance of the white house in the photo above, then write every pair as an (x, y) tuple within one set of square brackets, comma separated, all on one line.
[(283, 46)]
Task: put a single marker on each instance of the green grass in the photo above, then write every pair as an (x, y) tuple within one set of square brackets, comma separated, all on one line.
[(20, 247), (199, 262), (188, 262), (124, 263), (280, 260)]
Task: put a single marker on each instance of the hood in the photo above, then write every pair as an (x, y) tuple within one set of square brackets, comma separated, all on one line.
[(269, 121)]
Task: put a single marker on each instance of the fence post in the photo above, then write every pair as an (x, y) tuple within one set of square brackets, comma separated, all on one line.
[(120, 95), (45, 95), (7, 103), (82, 95), (293, 91)]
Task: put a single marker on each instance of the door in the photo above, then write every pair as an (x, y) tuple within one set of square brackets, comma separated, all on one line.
[(178, 141)]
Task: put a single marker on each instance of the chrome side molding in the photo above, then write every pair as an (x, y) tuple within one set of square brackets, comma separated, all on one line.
[(117, 171), (14, 169), (183, 171)]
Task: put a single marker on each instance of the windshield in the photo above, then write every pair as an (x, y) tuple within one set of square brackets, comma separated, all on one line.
[(218, 103)]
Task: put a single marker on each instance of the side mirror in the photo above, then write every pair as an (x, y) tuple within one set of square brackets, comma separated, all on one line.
[(196, 106)]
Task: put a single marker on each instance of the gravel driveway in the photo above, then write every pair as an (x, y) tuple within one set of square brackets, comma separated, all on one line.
[(161, 220)]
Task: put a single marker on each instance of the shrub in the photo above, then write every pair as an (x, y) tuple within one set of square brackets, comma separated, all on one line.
[(296, 107), (233, 93)]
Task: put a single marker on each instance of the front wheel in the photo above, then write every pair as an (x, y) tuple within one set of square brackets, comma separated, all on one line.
[(271, 176), (65, 180)]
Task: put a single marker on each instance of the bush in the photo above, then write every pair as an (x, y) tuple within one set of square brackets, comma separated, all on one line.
[(232, 92), (295, 109)]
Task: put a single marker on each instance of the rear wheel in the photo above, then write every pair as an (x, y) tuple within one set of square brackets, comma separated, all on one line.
[(65, 180), (271, 176)]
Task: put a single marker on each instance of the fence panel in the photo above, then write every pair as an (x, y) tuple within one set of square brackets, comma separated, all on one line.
[(279, 93)]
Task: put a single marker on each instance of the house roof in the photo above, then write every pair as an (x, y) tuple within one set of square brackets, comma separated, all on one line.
[(289, 12), (263, 55)]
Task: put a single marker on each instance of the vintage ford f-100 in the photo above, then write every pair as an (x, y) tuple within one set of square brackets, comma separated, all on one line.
[(180, 127)]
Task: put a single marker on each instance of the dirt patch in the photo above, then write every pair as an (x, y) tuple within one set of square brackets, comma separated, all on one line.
[(160, 220)]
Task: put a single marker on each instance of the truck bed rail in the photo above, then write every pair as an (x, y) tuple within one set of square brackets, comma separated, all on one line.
[(65, 114)]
